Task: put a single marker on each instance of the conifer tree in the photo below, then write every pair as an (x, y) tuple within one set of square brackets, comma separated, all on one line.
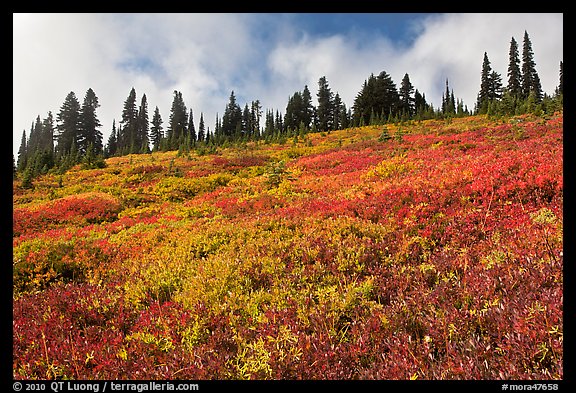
[(307, 108), (47, 138), (407, 102), (89, 124), (485, 86), (255, 115), (141, 141), (156, 133), (337, 111), (68, 124), (128, 125), (22, 153), (530, 79), (112, 145), (325, 105), (178, 121), (191, 128), (232, 117), (201, 128), (514, 86)]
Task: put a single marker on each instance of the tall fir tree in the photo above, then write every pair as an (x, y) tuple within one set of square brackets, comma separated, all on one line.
[(232, 117), (141, 141), (485, 85), (514, 86), (407, 102), (128, 126), (68, 120), (156, 133), (177, 122), (47, 139), (201, 128), (22, 153), (89, 124), (325, 109), (112, 145), (530, 79), (191, 128), (255, 115), (307, 108)]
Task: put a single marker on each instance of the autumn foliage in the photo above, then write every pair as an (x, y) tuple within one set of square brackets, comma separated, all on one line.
[(435, 254)]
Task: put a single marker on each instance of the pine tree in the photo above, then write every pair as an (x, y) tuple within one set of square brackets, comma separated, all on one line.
[(485, 84), (307, 108), (141, 141), (47, 139), (407, 102), (232, 117), (128, 125), (68, 124), (156, 133), (514, 86), (246, 121), (530, 79), (112, 145), (201, 128), (325, 105), (89, 124), (191, 129), (22, 153), (337, 111), (255, 115)]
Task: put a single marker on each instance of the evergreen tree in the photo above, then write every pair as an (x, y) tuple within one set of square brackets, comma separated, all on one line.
[(232, 118), (246, 121), (307, 108), (191, 129), (495, 88), (68, 124), (378, 97), (514, 86), (325, 111), (89, 124), (407, 101), (530, 79), (278, 124), (142, 142), (255, 115), (112, 145), (448, 103), (156, 133), (178, 121), (484, 96), (201, 128), (337, 111), (35, 135), (422, 109), (128, 125), (22, 153), (47, 139)]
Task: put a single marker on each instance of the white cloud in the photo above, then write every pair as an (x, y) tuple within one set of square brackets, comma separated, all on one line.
[(260, 56)]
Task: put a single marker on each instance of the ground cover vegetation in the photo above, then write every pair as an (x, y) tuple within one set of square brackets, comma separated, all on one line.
[(415, 249)]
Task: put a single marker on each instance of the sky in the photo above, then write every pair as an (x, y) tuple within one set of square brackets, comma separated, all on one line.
[(266, 57)]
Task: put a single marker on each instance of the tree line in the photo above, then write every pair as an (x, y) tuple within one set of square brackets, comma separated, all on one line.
[(76, 137)]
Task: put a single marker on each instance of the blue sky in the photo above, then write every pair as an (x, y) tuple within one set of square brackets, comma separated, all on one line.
[(260, 56)]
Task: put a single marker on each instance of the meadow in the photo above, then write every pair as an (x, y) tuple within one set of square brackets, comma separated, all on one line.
[(434, 252)]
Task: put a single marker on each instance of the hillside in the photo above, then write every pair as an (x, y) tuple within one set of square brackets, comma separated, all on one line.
[(434, 254)]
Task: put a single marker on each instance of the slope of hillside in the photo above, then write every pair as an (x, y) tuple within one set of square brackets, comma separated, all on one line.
[(435, 254)]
